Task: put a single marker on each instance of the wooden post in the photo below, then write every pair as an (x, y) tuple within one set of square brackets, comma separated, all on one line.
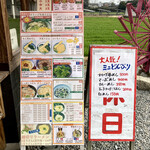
[(2, 137), (24, 5), (5, 46), (2, 109)]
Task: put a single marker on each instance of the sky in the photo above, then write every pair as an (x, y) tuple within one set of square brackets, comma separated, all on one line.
[(103, 1)]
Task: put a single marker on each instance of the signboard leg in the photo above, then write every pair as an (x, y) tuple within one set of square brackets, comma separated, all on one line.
[(89, 145), (22, 147), (82, 147), (86, 92), (86, 102), (131, 146)]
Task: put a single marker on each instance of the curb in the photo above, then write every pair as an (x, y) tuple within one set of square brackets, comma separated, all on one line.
[(143, 83)]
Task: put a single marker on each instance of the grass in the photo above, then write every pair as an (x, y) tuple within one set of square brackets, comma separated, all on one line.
[(97, 30), (15, 23), (100, 30), (103, 13)]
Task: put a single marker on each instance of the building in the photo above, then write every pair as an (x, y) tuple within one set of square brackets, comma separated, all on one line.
[(107, 4)]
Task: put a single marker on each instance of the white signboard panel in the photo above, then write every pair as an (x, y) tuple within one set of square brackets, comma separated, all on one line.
[(112, 93)]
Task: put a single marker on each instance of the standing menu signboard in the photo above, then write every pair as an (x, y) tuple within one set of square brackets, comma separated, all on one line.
[(67, 5), (44, 5), (112, 93), (52, 73)]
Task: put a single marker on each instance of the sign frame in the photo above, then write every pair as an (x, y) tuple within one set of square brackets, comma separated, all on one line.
[(90, 89)]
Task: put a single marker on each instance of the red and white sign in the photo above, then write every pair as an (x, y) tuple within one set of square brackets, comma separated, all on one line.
[(112, 93), (44, 5)]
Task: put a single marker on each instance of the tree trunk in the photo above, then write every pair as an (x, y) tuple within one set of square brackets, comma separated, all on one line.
[(24, 5)]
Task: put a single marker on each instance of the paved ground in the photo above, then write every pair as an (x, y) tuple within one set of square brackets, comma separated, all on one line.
[(142, 141)]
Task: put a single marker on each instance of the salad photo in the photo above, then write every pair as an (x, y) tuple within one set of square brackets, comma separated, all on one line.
[(62, 91), (62, 71)]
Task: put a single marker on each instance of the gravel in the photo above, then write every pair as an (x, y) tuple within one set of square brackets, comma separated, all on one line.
[(142, 137)]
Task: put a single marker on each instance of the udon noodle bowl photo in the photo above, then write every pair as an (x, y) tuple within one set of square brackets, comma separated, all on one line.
[(27, 64), (28, 91), (45, 91), (44, 64)]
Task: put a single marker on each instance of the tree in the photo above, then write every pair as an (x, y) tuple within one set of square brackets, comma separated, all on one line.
[(122, 5), (134, 2), (113, 4), (86, 3)]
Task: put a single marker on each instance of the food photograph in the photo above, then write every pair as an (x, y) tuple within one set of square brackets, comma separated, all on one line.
[(62, 71), (36, 67), (62, 91), (59, 47), (37, 25), (68, 89), (44, 48), (34, 90), (29, 47)]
